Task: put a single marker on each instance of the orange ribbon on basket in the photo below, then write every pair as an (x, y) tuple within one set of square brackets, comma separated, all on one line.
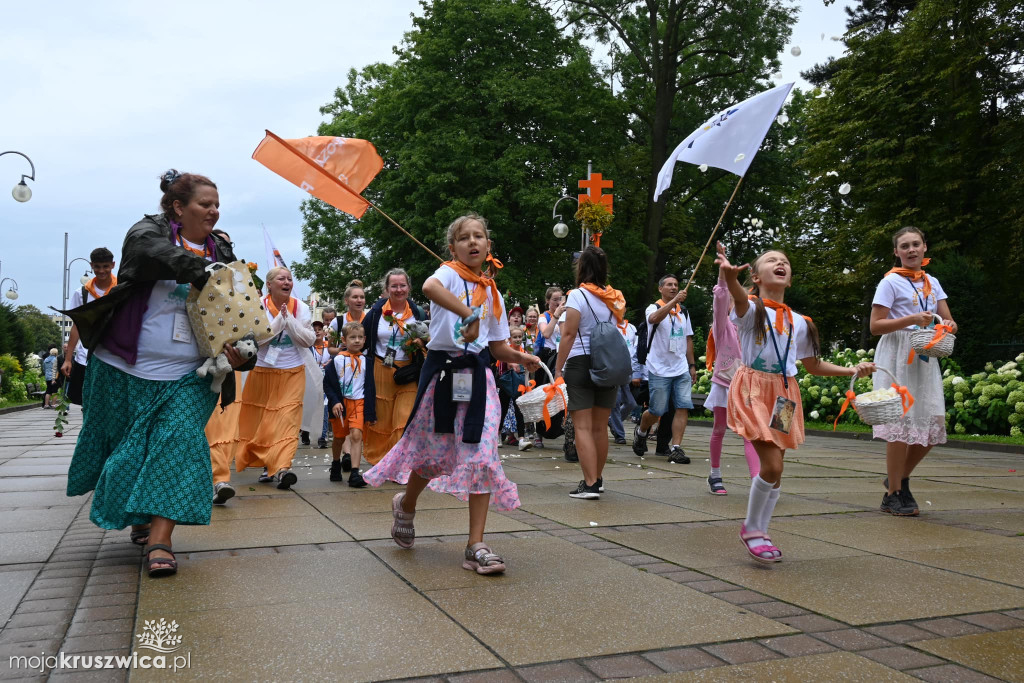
[(846, 404), (529, 386), (550, 390), (940, 332), (908, 398)]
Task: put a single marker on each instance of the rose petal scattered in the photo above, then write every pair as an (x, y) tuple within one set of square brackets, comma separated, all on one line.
[(929, 502), (739, 157), (844, 189), (795, 51), (593, 524), (557, 467)]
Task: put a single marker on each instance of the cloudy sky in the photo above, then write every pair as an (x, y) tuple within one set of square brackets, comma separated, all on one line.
[(105, 96)]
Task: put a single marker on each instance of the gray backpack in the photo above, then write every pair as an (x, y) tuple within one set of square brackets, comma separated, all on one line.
[(610, 364)]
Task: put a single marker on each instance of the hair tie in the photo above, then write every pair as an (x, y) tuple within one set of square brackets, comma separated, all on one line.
[(170, 176)]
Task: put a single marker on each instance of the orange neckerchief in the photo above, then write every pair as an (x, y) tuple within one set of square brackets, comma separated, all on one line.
[(90, 286), (399, 320), (482, 283), (612, 298), (350, 319), (204, 252), (293, 305), (320, 347), (622, 327), (926, 288), (675, 309), (356, 362)]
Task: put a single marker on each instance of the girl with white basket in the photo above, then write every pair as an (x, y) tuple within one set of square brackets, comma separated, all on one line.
[(906, 303), (451, 440)]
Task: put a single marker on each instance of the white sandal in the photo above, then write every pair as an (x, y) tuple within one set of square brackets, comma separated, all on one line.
[(480, 559)]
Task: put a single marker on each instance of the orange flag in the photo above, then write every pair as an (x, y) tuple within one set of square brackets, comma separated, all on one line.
[(333, 169)]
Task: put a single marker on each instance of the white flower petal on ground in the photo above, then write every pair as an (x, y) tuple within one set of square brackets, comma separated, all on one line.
[(593, 524), (844, 189), (795, 51), (739, 157)]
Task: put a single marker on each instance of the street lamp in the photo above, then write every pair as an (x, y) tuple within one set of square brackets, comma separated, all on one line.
[(22, 192), (560, 229), (12, 293)]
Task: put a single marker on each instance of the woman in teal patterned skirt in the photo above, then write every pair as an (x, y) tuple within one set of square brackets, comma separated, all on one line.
[(142, 448)]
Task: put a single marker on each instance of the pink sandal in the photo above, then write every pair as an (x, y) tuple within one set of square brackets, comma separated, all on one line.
[(758, 552), (480, 559), (402, 530)]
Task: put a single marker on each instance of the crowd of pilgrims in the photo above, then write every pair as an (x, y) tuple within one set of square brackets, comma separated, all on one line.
[(425, 395)]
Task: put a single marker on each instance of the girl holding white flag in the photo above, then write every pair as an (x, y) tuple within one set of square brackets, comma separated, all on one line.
[(764, 397)]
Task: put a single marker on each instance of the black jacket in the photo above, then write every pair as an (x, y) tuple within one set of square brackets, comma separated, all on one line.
[(370, 323)]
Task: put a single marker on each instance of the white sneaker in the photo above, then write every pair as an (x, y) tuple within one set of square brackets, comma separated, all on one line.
[(223, 492), (525, 444)]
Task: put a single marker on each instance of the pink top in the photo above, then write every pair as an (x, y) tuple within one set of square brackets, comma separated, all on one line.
[(727, 343)]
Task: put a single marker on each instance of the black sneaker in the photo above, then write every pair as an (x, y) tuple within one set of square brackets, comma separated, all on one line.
[(600, 485), (678, 456), (286, 479), (336, 471), (305, 438), (585, 492), (571, 457), (620, 440), (908, 497), (355, 480), (894, 505), (639, 441), (321, 443), (663, 454), (346, 462)]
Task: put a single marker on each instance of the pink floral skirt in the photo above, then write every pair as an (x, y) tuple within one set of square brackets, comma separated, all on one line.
[(460, 469)]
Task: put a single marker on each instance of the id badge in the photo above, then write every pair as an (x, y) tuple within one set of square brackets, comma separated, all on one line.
[(673, 345), (389, 357), (782, 415), (272, 353), (462, 387), (182, 331)]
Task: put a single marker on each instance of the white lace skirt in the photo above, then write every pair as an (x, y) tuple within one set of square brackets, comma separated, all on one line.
[(718, 397), (925, 422)]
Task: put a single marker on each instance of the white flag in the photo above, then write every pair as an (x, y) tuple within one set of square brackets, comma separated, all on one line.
[(729, 139), (274, 257)]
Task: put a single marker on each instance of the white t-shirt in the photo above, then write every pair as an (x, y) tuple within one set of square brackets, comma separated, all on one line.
[(578, 300), (672, 332), (288, 354), (160, 356), (81, 354), (556, 331), (762, 356), (351, 380), (321, 356), (390, 335), (903, 298), (442, 321), (639, 371)]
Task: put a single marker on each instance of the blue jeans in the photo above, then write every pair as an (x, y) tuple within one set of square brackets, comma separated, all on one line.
[(623, 401), (327, 415), (665, 389)]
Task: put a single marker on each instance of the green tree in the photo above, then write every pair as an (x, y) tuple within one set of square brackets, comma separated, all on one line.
[(679, 62), (13, 336), (488, 108), (42, 334), (923, 117)]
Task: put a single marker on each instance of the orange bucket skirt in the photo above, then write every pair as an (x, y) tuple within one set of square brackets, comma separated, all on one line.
[(752, 397), (394, 405), (270, 418), (221, 432)]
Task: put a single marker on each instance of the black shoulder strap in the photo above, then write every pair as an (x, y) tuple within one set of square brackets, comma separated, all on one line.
[(85, 292), (650, 335)]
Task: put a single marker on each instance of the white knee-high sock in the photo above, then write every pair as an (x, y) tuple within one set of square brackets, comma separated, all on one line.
[(760, 491), (765, 517)]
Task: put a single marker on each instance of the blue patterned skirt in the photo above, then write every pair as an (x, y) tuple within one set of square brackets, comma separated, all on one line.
[(143, 449)]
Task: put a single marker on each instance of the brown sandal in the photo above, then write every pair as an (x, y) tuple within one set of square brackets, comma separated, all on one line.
[(480, 559), (140, 536), (160, 566)]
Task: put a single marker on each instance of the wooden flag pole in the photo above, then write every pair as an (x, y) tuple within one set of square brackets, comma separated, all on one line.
[(713, 232), (326, 174)]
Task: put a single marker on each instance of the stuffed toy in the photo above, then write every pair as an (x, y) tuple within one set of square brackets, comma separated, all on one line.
[(218, 367)]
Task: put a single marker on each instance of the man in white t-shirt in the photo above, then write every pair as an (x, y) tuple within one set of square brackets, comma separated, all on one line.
[(101, 260), (670, 367)]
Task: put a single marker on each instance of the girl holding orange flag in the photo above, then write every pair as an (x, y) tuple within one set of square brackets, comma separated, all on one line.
[(451, 441), (905, 299)]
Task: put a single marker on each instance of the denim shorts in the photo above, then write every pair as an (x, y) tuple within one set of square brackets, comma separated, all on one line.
[(663, 389)]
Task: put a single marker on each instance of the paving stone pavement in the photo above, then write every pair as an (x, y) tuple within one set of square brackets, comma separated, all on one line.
[(649, 582)]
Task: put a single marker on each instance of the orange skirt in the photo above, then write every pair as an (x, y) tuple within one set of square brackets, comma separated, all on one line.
[(394, 405), (270, 418), (221, 432), (752, 397)]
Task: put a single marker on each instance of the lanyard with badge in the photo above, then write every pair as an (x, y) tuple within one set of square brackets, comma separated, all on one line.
[(392, 350), (923, 301), (673, 340), (275, 349), (462, 379), (346, 389), (182, 329), (785, 408)]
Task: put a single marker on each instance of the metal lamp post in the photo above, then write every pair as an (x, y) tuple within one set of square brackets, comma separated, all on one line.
[(12, 293), (22, 192)]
